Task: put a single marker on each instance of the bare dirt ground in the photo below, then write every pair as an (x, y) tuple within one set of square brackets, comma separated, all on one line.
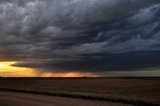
[(142, 91), (22, 99)]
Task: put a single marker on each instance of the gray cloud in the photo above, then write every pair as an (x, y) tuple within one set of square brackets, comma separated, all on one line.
[(79, 35)]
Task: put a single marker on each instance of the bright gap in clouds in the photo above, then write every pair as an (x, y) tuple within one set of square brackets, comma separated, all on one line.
[(7, 70)]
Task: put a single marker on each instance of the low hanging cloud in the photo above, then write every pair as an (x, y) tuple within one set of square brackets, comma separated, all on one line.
[(81, 35)]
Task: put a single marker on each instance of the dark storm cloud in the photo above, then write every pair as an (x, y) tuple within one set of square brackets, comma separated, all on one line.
[(82, 35)]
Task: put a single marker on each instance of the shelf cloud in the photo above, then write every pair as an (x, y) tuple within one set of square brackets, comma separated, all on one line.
[(81, 35)]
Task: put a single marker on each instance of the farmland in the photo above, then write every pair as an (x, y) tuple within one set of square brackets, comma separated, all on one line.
[(134, 90)]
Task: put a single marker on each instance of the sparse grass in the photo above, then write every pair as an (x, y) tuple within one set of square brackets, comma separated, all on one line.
[(146, 90)]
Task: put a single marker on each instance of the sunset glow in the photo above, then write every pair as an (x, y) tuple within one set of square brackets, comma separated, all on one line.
[(7, 70)]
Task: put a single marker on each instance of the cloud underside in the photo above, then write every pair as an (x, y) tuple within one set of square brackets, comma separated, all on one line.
[(81, 35)]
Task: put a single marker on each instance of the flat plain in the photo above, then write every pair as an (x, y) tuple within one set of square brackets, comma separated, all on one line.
[(142, 91)]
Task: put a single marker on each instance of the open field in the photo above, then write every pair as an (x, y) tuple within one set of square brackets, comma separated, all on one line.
[(143, 91)]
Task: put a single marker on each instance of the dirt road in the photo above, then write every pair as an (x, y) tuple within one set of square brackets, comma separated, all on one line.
[(22, 99)]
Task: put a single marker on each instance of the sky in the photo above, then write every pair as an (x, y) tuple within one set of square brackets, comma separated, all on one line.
[(72, 38)]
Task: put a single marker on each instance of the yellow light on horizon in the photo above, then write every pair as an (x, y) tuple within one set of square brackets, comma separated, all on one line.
[(7, 70), (5, 64)]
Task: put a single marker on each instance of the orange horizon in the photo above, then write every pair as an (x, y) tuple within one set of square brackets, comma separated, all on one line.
[(7, 70)]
